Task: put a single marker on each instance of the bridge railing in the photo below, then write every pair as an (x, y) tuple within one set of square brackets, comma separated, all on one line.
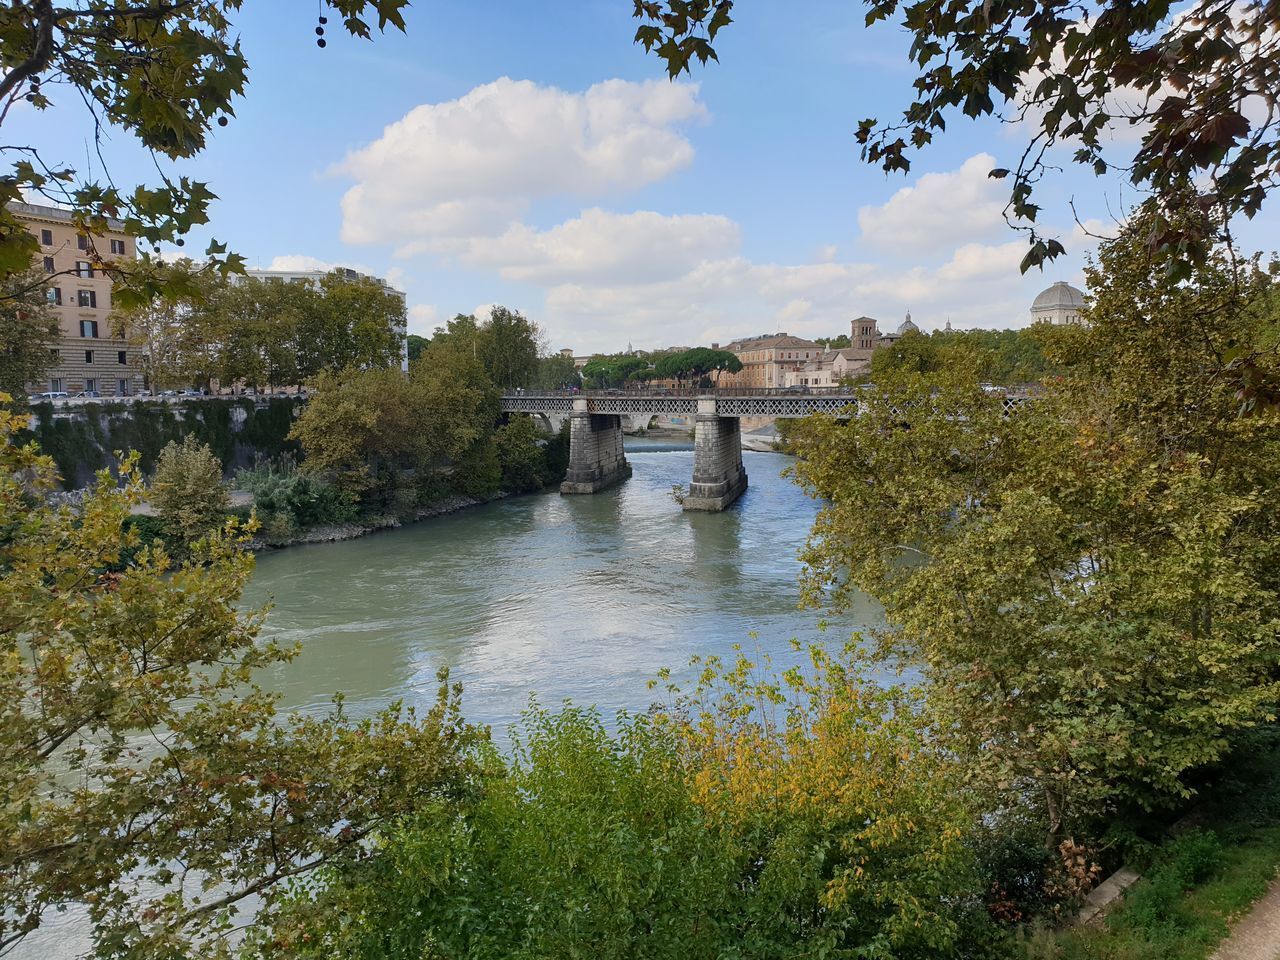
[(695, 392)]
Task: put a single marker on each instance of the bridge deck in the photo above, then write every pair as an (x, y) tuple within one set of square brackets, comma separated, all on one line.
[(729, 403)]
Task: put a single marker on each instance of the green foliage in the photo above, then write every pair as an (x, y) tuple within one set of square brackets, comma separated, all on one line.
[(696, 364), (556, 372), (1091, 584), (1184, 81), (165, 73), (187, 491), (135, 745), (28, 333), (761, 819), (508, 345), (85, 440), (477, 473), (835, 343), (616, 370), (279, 488), (521, 458), (998, 356), (416, 345), (262, 333)]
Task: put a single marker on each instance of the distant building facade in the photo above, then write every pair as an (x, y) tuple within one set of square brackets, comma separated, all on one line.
[(313, 278), (88, 357), (766, 359), (1060, 305)]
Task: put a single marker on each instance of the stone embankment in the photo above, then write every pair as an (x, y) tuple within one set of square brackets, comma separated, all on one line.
[(333, 533)]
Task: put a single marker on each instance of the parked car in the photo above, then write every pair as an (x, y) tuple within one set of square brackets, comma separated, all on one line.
[(50, 395), (167, 393), (190, 393), (144, 393), (88, 395)]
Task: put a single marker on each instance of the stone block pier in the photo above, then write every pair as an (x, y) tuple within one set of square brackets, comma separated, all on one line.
[(596, 457)]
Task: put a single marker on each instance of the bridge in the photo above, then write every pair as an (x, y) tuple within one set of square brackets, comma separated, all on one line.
[(596, 456)]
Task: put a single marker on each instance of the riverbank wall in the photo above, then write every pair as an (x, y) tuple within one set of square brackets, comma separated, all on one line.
[(84, 438)]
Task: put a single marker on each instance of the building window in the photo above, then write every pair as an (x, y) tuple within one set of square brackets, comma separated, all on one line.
[(55, 385), (88, 356), (46, 238), (122, 356), (55, 355), (117, 247), (122, 388), (82, 242), (90, 384), (84, 269), (54, 296), (87, 298), (48, 265), (89, 328)]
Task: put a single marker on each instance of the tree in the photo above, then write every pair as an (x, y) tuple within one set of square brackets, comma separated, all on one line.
[(164, 71), (696, 364), (1071, 76), (615, 370), (138, 758), (180, 336), (187, 491), (835, 343), (510, 344), (556, 372), (416, 345), (1090, 584), (362, 424), (350, 322), (28, 334)]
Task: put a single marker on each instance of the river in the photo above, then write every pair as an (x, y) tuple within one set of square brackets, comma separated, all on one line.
[(580, 598)]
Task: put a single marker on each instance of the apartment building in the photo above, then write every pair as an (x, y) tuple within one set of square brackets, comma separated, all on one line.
[(88, 356)]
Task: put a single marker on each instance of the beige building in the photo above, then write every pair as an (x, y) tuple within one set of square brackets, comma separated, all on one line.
[(766, 359), (88, 357)]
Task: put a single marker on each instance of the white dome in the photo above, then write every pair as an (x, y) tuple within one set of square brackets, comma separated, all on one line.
[(907, 326), (1061, 294)]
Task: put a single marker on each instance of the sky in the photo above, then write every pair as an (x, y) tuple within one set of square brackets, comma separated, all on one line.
[(528, 154)]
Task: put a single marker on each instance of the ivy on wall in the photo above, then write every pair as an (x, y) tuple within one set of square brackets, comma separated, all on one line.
[(84, 440)]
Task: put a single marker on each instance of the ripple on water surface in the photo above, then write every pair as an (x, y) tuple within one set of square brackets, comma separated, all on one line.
[(580, 598)]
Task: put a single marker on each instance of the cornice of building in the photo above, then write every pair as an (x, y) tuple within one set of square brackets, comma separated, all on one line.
[(47, 214)]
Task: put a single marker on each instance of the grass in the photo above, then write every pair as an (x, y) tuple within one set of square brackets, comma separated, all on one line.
[(1199, 882), (1160, 920)]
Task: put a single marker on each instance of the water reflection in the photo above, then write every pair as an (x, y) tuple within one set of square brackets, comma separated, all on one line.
[(569, 597)]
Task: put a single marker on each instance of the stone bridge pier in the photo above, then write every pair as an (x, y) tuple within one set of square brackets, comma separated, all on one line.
[(596, 457), (718, 474)]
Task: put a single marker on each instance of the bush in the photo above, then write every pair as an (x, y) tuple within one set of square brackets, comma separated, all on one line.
[(477, 473), (309, 500), (187, 491), (699, 832)]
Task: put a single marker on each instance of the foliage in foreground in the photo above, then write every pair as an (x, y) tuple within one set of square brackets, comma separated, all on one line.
[(1091, 585), (754, 819), (141, 770)]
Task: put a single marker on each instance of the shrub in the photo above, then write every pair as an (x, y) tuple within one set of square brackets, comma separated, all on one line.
[(309, 500), (187, 491)]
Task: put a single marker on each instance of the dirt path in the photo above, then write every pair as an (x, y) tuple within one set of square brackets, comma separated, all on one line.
[(1257, 935)]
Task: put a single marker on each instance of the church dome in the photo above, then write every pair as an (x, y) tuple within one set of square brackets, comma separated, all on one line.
[(907, 326), (1061, 294)]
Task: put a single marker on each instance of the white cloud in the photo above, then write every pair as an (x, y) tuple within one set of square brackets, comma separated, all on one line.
[(469, 167), (423, 319), (302, 263), (938, 212), (605, 247)]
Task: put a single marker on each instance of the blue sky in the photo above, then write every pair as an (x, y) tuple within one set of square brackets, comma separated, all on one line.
[(530, 155)]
